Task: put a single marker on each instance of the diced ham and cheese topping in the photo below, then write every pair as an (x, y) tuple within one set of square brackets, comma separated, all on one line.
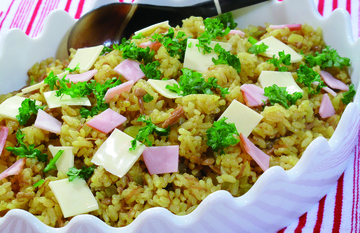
[(326, 108), (13, 169), (83, 77), (262, 159), (4, 131), (161, 159), (117, 90), (292, 27), (47, 122), (130, 70), (333, 82), (253, 95), (106, 121)]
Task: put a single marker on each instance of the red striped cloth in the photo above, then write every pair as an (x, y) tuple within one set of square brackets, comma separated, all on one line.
[(338, 211)]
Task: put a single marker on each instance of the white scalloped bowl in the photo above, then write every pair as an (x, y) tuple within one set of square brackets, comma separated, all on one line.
[(278, 197)]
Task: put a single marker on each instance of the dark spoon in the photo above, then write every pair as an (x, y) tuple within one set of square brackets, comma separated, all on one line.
[(108, 24)]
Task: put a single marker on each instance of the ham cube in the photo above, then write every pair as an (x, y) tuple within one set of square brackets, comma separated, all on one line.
[(13, 169), (106, 121), (253, 95), (237, 32), (262, 159), (130, 70), (83, 77), (117, 90), (4, 131), (161, 159), (326, 108), (47, 122)]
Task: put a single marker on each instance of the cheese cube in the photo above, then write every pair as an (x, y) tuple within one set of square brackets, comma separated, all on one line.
[(74, 197), (114, 154), (54, 102), (85, 57), (66, 160), (197, 60), (10, 107), (276, 46), (160, 86), (244, 118), (151, 29), (281, 79)]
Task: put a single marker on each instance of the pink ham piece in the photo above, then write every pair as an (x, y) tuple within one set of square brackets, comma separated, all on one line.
[(161, 159), (47, 122), (237, 32), (4, 131), (327, 89), (83, 77), (106, 121), (151, 45), (253, 95), (326, 108), (258, 155), (333, 82), (117, 90), (130, 70), (13, 169), (292, 27)]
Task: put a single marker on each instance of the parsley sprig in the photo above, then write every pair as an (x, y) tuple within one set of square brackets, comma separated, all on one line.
[(28, 107), (225, 57), (221, 135), (175, 45), (349, 95), (147, 98), (83, 173), (327, 58), (26, 151), (278, 94), (192, 82), (256, 48), (282, 60), (145, 131), (150, 70), (130, 50), (308, 76)]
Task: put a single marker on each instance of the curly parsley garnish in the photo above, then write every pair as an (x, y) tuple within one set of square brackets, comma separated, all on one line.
[(175, 45), (282, 60), (28, 107), (225, 57), (130, 50), (308, 76), (349, 95), (105, 50), (327, 58), (256, 48), (150, 70), (145, 131), (192, 82), (278, 94), (221, 135), (147, 98), (83, 173), (77, 67), (26, 151)]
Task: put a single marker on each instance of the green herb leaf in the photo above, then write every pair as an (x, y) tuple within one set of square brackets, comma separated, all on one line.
[(225, 57), (40, 182), (192, 82), (138, 36), (252, 40), (258, 48), (151, 71), (77, 67), (282, 60), (175, 46), (148, 98), (327, 58), (105, 50), (51, 165), (278, 94), (308, 76), (52, 80), (227, 20), (130, 50), (221, 135), (26, 151), (349, 95), (83, 173), (28, 107), (145, 131)]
